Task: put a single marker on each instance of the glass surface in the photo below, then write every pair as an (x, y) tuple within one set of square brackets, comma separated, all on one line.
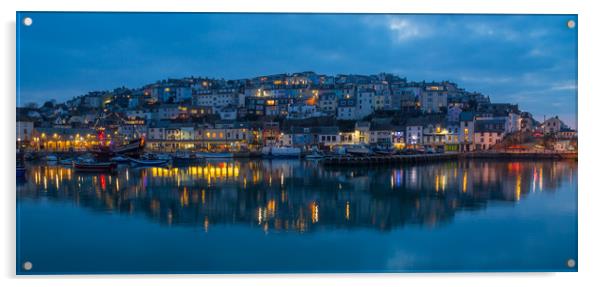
[(149, 143), (296, 216)]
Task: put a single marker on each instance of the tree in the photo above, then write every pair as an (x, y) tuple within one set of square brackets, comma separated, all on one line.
[(31, 105), (49, 104)]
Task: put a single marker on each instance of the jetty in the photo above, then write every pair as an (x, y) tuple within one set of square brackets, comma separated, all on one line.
[(521, 155), (386, 159)]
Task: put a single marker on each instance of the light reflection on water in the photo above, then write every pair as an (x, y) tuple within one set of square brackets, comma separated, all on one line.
[(297, 216), (298, 195)]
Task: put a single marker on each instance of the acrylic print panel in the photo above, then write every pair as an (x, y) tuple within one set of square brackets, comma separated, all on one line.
[(284, 143)]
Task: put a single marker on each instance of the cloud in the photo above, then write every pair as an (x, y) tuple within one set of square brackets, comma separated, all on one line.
[(400, 28), (404, 29), (564, 86)]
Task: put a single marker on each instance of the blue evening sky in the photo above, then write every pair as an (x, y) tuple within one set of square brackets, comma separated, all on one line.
[(526, 59)]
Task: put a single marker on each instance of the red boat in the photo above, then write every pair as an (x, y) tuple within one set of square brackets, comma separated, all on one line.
[(94, 166), (132, 149)]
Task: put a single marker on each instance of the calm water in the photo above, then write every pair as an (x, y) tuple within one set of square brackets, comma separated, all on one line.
[(296, 216)]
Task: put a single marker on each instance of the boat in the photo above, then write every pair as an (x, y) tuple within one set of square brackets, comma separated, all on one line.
[(185, 159), (120, 159), (209, 155), (88, 165), (133, 148), (281, 151), (66, 161), (150, 160), (382, 150), (162, 156), (358, 150), (51, 158)]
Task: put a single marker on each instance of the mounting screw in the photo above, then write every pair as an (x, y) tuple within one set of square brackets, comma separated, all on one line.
[(27, 265), (27, 21), (570, 24), (571, 263)]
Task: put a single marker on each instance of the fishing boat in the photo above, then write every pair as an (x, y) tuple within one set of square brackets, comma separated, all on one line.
[(133, 148), (89, 165), (283, 151)]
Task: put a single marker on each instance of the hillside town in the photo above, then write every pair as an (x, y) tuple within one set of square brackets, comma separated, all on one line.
[(303, 110)]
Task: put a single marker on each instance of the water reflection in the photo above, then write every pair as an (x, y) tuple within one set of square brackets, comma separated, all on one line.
[(292, 195)]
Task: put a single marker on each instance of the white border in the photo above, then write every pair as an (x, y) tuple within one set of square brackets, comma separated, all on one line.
[(590, 199)]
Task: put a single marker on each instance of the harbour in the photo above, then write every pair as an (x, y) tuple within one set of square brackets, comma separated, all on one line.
[(289, 210)]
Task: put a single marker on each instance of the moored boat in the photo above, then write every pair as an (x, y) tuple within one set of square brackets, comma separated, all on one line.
[(209, 155), (51, 158), (120, 159), (358, 150), (149, 162), (381, 150), (88, 165), (185, 159), (151, 159), (66, 161), (283, 151)]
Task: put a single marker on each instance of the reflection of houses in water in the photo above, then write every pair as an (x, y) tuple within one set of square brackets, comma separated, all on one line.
[(300, 195)]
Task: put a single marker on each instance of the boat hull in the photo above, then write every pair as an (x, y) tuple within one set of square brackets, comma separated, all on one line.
[(185, 161), (95, 167), (157, 162), (216, 155)]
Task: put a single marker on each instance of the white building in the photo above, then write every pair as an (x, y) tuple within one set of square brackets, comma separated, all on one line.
[(414, 134), (218, 99), (365, 103), (346, 109), (552, 125), (488, 133), (228, 113), (433, 99), (301, 111), (327, 103)]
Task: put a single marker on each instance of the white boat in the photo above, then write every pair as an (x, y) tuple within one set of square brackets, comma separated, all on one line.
[(281, 151), (359, 150), (151, 159)]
